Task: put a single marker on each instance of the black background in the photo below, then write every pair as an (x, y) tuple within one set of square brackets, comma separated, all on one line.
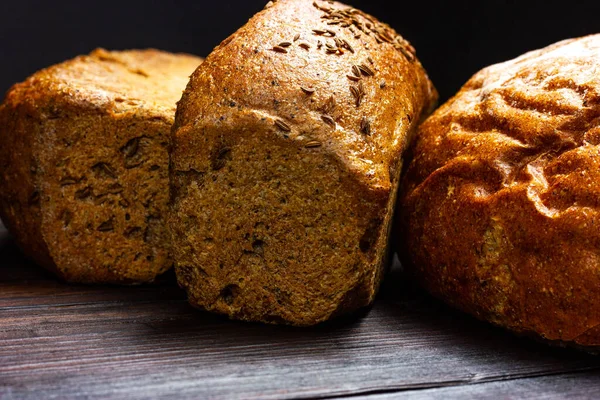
[(454, 39)]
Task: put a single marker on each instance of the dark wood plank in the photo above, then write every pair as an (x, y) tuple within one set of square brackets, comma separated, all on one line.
[(55, 293), (566, 386), (69, 341)]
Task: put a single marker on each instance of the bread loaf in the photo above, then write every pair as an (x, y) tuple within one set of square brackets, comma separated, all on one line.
[(501, 202), (84, 164), (287, 150)]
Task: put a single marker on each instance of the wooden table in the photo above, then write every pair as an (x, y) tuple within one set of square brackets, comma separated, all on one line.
[(66, 341)]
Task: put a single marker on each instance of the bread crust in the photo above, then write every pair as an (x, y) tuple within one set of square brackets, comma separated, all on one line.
[(68, 191), (286, 159), (500, 204)]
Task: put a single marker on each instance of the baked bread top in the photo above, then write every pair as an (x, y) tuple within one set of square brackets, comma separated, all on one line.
[(543, 100), (117, 81), (329, 75), (501, 202)]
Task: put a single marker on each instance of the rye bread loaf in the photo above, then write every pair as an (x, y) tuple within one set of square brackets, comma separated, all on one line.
[(287, 151), (501, 202), (84, 163)]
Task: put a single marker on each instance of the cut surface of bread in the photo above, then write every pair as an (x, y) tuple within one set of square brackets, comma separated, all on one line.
[(84, 163)]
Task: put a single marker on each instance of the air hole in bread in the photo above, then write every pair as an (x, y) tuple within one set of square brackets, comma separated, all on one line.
[(229, 293), (369, 238)]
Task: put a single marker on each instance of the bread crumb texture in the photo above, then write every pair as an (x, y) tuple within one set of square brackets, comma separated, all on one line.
[(286, 159), (501, 201), (84, 164)]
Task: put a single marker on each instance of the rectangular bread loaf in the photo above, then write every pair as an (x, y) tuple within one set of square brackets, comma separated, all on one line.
[(287, 151)]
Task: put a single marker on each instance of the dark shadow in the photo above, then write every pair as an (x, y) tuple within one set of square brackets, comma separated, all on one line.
[(14, 265), (401, 298)]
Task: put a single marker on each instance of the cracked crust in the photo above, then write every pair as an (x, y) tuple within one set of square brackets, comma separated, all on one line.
[(501, 202), (84, 163), (286, 160)]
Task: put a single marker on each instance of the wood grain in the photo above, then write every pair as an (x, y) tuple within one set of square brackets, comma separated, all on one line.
[(67, 341), (573, 386)]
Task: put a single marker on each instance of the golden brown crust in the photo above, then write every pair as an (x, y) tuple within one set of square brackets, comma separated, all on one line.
[(84, 166), (270, 82), (500, 204), (287, 154)]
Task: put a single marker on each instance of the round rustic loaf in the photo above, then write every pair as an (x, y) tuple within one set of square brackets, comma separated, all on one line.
[(286, 159), (501, 201), (84, 164)]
